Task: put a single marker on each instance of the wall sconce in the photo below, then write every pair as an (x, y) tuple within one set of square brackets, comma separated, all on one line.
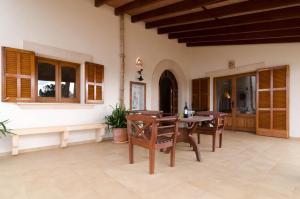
[(227, 95), (139, 67), (231, 64)]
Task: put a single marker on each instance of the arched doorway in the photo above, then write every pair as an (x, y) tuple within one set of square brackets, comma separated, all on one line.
[(168, 93)]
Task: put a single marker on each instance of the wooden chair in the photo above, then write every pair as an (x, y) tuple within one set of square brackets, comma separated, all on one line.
[(148, 112), (146, 131), (214, 127)]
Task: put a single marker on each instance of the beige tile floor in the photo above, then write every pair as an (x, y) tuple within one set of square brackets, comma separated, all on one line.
[(248, 166)]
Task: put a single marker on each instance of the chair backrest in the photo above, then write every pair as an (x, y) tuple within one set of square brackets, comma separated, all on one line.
[(143, 127), (168, 124), (219, 117), (220, 121), (148, 112), (148, 127), (211, 113)]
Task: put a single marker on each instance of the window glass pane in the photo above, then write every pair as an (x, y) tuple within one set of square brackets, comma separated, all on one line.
[(46, 80), (68, 82), (224, 95), (246, 94)]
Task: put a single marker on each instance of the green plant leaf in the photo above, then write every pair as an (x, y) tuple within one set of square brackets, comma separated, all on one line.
[(3, 129), (117, 119)]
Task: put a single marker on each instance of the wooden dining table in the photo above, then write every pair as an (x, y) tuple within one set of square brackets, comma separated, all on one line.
[(186, 132)]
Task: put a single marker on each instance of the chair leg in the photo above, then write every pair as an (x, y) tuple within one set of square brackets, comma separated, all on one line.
[(214, 142), (198, 138), (151, 160), (130, 153), (172, 157), (220, 140)]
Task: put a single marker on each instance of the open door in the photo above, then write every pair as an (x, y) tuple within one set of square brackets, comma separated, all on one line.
[(168, 93), (272, 102), (236, 96)]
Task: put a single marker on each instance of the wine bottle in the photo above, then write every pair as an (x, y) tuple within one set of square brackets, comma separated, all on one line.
[(185, 113)]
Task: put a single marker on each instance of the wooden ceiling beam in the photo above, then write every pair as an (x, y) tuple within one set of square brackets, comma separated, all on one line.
[(236, 8), (173, 8), (133, 5), (99, 3), (273, 15), (242, 36), (263, 26), (244, 42)]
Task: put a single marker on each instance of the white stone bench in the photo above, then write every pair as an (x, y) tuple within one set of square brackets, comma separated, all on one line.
[(63, 130)]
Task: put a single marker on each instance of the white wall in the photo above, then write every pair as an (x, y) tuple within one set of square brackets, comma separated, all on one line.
[(69, 25), (206, 59), (155, 50), (77, 26)]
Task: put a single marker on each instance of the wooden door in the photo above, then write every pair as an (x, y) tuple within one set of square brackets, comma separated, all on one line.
[(168, 93), (245, 102), (272, 97), (200, 94), (223, 99), (236, 96)]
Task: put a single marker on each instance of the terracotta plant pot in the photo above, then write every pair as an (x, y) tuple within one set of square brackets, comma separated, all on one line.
[(120, 135)]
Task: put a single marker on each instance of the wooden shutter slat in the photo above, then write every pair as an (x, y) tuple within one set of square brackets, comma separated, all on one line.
[(279, 99), (204, 94), (279, 120), (25, 63), (25, 88), (264, 119), (99, 74), (91, 92), (91, 73), (264, 99), (98, 92), (18, 74), (11, 87), (195, 94), (265, 79), (11, 59), (200, 94), (279, 78)]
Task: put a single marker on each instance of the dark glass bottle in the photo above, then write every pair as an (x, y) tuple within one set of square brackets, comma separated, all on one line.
[(185, 112)]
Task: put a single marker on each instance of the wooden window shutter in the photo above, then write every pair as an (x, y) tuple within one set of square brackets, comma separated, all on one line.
[(200, 94), (94, 78), (18, 75), (272, 102), (195, 94)]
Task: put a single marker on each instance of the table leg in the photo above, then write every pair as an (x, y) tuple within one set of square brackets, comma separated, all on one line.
[(186, 137), (195, 147)]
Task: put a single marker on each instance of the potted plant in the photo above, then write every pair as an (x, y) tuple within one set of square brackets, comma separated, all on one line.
[(4, 131), (118, 123)]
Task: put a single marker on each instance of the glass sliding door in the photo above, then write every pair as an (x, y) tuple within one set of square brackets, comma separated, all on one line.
[(223, 99), (246, 94), (224, 95), (245, 97), (236, 96)]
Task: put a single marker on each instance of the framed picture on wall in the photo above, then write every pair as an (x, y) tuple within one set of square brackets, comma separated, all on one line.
[(137, 96)]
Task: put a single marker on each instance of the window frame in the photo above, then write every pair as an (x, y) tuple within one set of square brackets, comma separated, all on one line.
[(58, 73)]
